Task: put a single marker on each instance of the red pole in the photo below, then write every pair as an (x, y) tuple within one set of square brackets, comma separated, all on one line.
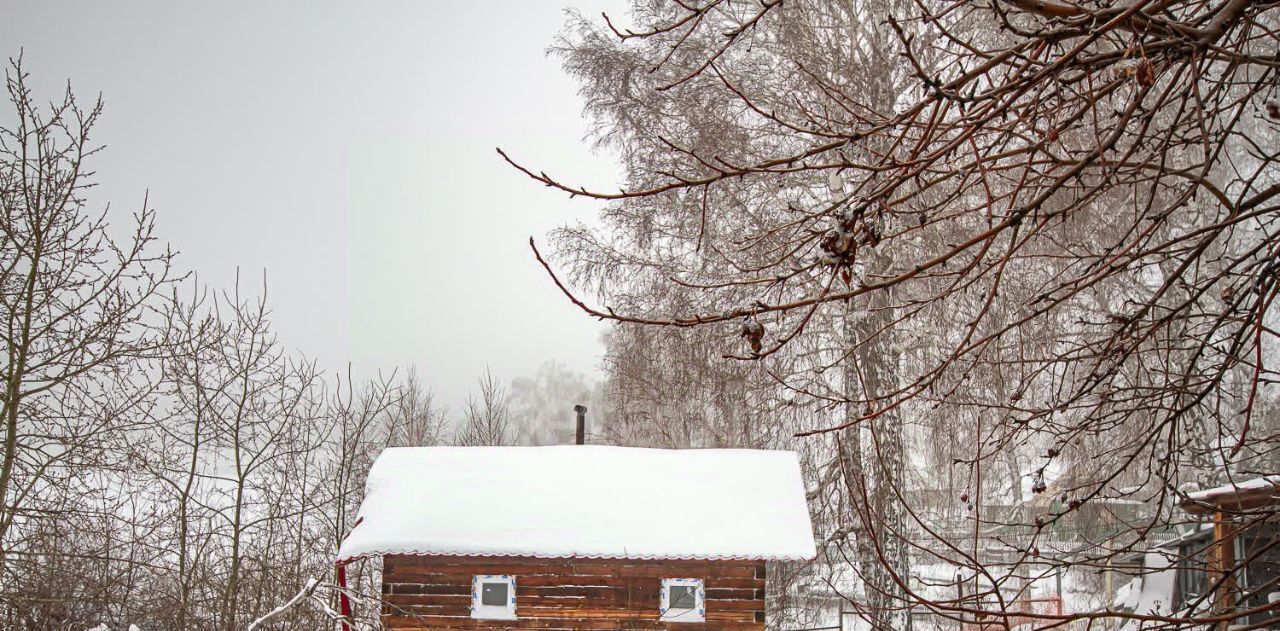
[(344, 603)]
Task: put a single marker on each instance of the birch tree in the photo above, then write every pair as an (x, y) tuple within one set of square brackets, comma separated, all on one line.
[(1048, 228)]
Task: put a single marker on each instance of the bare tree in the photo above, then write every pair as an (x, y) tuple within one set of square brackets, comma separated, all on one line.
[(417, 419), (166, 462), (259, 421), (361, 422), (184, 446), (262, 462), (487, 420), (1037, 238), (76, 341)]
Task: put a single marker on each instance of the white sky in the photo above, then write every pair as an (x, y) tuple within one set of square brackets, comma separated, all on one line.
[(348, 150)]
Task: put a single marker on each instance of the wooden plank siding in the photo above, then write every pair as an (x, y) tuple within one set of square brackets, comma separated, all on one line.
[(434, 592)]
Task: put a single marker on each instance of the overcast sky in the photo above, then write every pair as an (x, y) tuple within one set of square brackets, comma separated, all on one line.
[(347, 149)]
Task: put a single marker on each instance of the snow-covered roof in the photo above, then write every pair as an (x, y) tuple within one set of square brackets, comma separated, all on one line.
[(1245, 494), (1265, 482), (584, 501)]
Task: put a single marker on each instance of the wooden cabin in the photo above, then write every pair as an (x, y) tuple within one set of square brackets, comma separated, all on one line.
[(579, 537)]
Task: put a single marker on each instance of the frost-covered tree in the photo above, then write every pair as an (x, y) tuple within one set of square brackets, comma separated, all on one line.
[(542, 405), (1019, 256)]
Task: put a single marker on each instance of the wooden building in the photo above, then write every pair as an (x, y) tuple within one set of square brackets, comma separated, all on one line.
[(1239, 556), (1225, 568), (579, 537)]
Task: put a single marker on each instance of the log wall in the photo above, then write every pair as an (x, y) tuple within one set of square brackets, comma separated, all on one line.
[(422, 592)]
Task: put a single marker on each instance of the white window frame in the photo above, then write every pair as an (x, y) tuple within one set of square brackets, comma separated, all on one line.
[(482, 611), (699, 611)]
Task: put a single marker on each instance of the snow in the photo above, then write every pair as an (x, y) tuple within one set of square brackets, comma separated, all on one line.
[(307, 590), (1126, 598), (1152, 593), (1156, 594), (1265, 482), (584, 501)]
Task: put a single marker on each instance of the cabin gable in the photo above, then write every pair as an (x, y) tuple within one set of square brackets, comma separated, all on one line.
[(435, 592)]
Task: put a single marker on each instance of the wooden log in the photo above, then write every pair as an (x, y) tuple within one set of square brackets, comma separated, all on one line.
[(572, 580), (418, 612), (734, 583), (430, 566), (438, 600), (715, 593), (427, 578), (429, 588), (570, 591), (434, 622), (734, 605)]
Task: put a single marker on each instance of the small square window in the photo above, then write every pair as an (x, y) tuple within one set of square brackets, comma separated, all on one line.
[(493, 594), (493, 597), (683, 600), (684, 597)]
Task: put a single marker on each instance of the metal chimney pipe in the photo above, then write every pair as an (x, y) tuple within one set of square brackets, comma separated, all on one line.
[(582, 424)]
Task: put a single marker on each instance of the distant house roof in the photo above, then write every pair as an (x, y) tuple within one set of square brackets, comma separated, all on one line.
[(584, 501), (1255, 493)]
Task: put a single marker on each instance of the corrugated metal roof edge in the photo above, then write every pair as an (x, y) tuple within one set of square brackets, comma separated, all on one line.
[(618, 557)]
